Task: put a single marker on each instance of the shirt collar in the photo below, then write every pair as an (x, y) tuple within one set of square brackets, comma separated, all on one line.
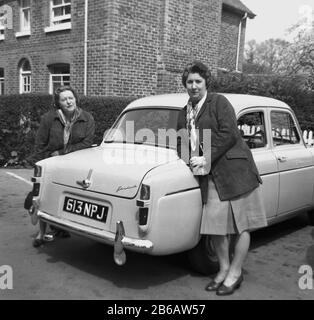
[(81, 115), (199, 105)]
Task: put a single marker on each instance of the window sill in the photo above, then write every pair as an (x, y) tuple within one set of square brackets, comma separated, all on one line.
[(59, 27), (22, 33)]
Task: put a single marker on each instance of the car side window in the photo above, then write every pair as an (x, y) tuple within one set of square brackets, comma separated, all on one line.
[(284, 130), (252, 129)]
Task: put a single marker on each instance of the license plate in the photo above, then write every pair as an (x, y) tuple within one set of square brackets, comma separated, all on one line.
[(86, 209)]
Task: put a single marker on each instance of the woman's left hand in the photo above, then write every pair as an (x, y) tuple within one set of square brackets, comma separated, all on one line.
[(197, 161)]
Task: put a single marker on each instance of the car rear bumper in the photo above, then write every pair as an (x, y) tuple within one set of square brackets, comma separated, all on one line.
[(139, 245)]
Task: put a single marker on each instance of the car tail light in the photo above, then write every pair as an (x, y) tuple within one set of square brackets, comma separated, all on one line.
[(36, 188), (37, 171), (143, 204), (145, 192)]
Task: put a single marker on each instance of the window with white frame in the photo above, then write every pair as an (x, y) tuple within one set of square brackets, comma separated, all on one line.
[(25, 76), (25, 15), (60, 11), (1, 81), (59, 76)]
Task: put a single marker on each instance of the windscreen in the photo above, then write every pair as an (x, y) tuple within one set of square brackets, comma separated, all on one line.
[(151, 126)]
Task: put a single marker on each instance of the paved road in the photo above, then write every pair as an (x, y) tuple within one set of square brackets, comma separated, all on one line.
[(77, 268)]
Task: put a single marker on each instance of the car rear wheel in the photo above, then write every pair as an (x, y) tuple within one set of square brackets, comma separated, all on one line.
[(203, 258)]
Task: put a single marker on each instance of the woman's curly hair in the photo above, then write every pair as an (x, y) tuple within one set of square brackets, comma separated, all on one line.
[(197, 67)]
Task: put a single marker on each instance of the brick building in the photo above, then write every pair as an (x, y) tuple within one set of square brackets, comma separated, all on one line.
[(115, 47)]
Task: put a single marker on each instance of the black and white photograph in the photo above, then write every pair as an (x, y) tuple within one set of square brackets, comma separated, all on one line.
[(158, 151)]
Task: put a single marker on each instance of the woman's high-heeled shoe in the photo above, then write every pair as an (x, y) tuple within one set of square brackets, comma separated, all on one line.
[(213, 285), (223, 290), (38, 242)]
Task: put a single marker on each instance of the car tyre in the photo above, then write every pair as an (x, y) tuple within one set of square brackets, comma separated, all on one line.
[(310, 215), (203, 258)]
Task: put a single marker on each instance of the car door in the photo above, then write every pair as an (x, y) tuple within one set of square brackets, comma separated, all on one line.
[(294, 161), (254, 127)]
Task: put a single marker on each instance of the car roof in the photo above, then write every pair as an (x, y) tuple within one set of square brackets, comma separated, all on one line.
[(179, 100)]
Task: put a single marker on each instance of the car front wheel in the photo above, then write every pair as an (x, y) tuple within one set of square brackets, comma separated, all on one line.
[(203, 258)]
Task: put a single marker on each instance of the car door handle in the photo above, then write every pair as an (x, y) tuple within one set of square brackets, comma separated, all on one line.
[(282, 158)]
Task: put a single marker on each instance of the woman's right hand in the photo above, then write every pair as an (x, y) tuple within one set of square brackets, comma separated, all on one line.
[(197, 161)]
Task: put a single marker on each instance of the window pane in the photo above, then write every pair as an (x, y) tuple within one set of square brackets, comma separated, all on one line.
[(1, 86), (26, 66), (67, 9), (3, 20), (25, 76), (56, 78), (284, 130), (252, 129), (26, 81), (26, 19), (60, 75), (57, 12)]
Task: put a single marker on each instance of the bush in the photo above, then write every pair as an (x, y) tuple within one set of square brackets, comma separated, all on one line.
[(20, 117)]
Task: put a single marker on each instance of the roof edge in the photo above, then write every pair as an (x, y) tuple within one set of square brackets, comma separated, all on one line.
[(250, 14)]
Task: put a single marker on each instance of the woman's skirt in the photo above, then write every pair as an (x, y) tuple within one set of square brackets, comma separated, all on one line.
[(246, 212)]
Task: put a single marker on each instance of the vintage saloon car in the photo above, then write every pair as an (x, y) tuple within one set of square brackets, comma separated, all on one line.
[(133, 192)]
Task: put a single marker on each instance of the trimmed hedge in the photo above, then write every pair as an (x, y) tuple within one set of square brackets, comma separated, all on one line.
[(105, 111), (20, 117)]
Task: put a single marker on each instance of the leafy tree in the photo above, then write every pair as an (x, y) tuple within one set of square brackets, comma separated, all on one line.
[(301, 52), (277, 56), (266, 57)]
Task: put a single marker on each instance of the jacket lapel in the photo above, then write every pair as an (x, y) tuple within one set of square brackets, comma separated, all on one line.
[(204, 106)]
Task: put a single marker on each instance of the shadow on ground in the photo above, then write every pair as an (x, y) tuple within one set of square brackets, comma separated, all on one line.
[(140, 271)]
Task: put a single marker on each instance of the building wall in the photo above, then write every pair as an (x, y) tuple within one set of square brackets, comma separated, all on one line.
[(135, 47), (190, 30), (40, 48), (134, 33), (229, 35), (152, 41)]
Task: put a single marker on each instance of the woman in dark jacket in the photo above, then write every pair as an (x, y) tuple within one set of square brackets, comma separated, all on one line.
[(65, 129), (228, 177)]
